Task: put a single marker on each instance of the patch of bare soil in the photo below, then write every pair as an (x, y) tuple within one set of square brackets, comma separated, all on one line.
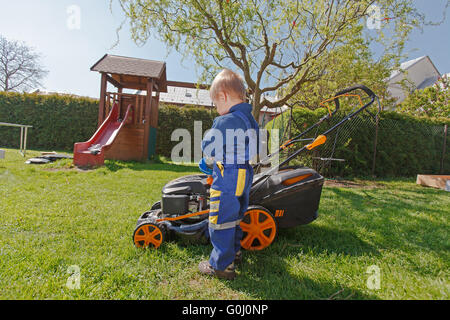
[(352, 184)]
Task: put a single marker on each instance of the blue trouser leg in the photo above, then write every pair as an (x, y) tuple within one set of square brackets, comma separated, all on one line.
[(223, 241), (227, 206), (237, 239), (238, 234), (223, 253), (244, 201)]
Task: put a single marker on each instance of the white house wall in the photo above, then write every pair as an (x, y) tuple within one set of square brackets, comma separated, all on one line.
[(417, 73)]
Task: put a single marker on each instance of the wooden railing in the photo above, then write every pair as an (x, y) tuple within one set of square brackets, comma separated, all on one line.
[(124, 100)]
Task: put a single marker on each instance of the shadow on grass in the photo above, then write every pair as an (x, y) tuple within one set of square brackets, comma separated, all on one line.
[(320, 239), (268, 274), (271, 277), (399, 218)]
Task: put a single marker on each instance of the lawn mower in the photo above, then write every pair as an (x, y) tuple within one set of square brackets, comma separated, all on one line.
[(281, 197)]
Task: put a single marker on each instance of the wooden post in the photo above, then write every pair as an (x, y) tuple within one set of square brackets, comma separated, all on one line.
[(147, 114), (101, 107), (155, 112), (148, 106), (153, 125), (119, 93), (136, 108), (108, 103), (141, 109)]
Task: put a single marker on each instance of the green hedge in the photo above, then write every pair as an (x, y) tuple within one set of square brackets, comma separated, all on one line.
[(410, 145), (407, 145), (58, 121), (172, 118)]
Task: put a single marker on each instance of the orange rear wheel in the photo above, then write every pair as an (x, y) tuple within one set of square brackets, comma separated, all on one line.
[(259, 228), (148, 235)]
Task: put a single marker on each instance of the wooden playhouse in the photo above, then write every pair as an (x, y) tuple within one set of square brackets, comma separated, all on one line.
[(127, 122)]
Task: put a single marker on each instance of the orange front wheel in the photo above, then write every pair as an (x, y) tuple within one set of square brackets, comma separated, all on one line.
[(148, 235), (259, 228)]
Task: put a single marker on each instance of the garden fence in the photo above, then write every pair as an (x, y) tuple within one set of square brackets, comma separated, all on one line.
[(370, 145)]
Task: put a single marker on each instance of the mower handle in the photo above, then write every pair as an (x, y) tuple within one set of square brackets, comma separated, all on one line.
[(322, 138), (369, 92), (350, 89)]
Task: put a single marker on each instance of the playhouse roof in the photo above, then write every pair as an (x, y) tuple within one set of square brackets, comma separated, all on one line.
[(133, 72)]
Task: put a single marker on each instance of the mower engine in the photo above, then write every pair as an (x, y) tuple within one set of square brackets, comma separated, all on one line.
[(185, 195)]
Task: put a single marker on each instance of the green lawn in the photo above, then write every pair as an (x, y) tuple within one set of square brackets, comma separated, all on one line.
[(53, 218)]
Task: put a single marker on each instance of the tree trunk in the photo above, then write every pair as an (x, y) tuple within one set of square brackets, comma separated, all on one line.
[(256, 111), (256, 102)]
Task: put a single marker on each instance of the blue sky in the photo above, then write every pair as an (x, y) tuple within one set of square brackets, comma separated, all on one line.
[(69, 54)]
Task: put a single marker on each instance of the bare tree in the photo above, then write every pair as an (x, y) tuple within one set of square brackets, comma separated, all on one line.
[(20, 68)]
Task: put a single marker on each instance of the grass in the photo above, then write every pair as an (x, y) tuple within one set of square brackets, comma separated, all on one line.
[(54, 217)]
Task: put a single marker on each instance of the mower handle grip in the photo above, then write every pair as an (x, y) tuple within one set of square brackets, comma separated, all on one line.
[(353, 88)]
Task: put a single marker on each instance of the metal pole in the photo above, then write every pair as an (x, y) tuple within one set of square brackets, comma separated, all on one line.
[(21, 140), (375, 145), (443, 148), (25, 142)]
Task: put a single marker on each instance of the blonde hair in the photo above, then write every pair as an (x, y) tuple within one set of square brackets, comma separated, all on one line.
[(229, 82)]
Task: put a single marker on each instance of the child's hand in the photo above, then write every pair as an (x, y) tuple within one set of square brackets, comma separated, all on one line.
[(209, 162), (204, 167)]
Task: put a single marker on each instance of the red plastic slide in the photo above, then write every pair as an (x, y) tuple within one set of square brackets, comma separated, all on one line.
[(92, 152)]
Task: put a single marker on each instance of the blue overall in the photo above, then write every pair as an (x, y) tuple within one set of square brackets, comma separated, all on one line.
[(229, 193)]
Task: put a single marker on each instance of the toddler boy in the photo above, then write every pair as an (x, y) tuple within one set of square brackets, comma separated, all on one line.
[(230, 145)]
